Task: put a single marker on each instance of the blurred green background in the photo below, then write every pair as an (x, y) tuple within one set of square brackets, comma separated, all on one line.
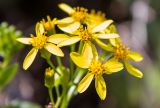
[(138, 22)]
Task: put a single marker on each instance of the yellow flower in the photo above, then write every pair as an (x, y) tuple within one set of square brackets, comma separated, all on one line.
[(95, 70), (39, 42), (76, 17), (123, 53), (95, 18), (49, 24), (88, 35)]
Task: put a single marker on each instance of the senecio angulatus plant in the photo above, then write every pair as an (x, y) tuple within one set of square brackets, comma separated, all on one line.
[(81, 31)]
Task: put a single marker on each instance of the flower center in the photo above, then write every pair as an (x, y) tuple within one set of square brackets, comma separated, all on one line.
[(85, 34), (39, 41), (121, 52), (96, 68), (79, 14)]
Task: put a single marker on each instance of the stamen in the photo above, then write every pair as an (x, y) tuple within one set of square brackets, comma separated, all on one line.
[(48, 24), (85, 34), (96, 68), (121, 52), (79, 14), (39, 41)]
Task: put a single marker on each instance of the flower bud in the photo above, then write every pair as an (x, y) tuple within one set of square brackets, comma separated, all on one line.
[(49, 77)]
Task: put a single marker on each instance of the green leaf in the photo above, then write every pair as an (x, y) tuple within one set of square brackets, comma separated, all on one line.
[(7, 74)]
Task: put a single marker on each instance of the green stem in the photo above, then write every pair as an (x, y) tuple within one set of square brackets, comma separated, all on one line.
[(58, 98), (59, 61), (71, 62), (50, 63), (51, 95), (80, 46), (78, 76)]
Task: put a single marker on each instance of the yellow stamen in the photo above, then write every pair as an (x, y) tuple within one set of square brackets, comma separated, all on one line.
[(121, 52), (96, 68), (79, 14), (49, 72), (85, 34), (48, 24), (39, 41)]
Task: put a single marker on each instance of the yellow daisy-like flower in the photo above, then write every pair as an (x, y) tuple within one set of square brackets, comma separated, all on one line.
[(49, 24), (88, 35), (77, 16), (39, 42), (95, 70), (123, 53), (95, 18)]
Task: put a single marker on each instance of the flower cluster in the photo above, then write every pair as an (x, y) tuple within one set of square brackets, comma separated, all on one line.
[(85, 29)]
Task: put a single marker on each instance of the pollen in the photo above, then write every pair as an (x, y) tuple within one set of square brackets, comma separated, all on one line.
[(96, 67), (39, 41), (85, 34), (79, 14), (121, 52)]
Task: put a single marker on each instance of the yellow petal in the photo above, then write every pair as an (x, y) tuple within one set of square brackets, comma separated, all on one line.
[(57, 38), (85, 82), (113, 41), (135, 56), (132, 70), (69, 41), (66, 8), (25, 40), (94, 51), (54, 49), (65, 20), (100, 86), (87, 51), (102, 26), (104, 46), (107, 36), (80, 61), (39, 29), (112, 66), (69, 28), (29, 58)]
